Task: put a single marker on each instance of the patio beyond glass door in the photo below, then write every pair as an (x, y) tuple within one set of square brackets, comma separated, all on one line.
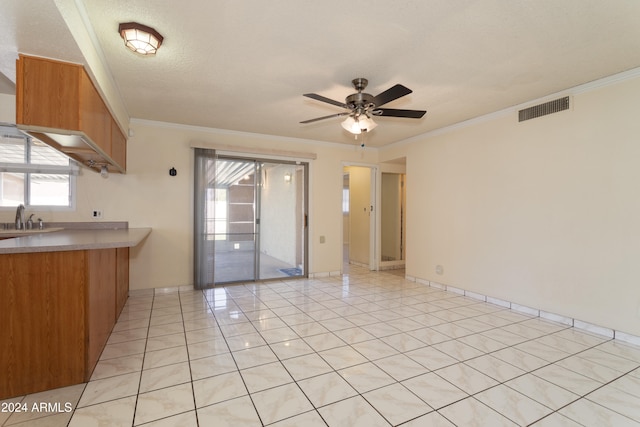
[(252, 222)]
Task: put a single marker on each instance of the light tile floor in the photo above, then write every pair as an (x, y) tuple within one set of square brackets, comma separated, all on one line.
[(366, 349)]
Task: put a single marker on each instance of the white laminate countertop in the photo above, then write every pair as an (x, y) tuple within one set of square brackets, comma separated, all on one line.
[(73, 240)]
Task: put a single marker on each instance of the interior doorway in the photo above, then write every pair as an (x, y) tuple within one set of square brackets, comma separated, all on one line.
[(358, 209)]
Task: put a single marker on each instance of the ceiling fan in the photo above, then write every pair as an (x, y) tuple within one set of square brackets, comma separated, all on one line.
[(363, 106)]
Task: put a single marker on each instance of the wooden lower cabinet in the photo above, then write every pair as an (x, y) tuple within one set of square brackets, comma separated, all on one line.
[(57, 310)]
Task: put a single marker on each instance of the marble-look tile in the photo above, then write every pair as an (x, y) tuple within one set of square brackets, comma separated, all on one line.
[(165, 329), (122, 349), (587, 413), (520, 359), (542, 391), (163, 403), (201, 335), (429, 336), (434, 390), (59, 398), (451, 330), (458, 350), (497, 369), (212, 365), (118, 366), (353, 335), (374, 349), (164, 319), (217, 389), (165, 376), (618, 401), (431, 358), (306, 366), (326, 388), (244, 341), (513, 405), (200, 323), (482, 343), (629, 384), (230, 413), (342, 357), (309, 329), (281, 402), (505, 337), (366, 377), (308, 419), (128, 335), (401, 367), (266, 376), (291, 348), (582, 337), (254, 356), (114, 413), (397, 404), (558, 342), (473, 413), (185, 419), (542, 351), (556, 420), (57, 420), (622, 349), (166, 341), (229, 330), (610, 360), (272, 336), (567, 379), (380, 330), (111, 388), (432, 419), (207, 348), (169, 356), (323, 341), (590, 369), (403, 342), (466, 378), (352, 412)]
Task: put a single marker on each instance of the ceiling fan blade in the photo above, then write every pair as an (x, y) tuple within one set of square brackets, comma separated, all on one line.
[(324, 99), (391, 94), (392, 112), (325, 117)]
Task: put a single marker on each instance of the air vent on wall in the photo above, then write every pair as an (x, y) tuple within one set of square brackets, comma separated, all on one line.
[(540, 110)]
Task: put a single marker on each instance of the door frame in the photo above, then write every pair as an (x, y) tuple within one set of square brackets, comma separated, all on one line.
[(374, 221)]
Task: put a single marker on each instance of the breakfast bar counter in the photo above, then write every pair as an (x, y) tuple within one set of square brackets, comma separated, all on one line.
[(61, 293)]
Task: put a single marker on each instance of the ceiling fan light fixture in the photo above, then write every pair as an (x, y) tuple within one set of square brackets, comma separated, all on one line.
[(351, 125), (140, 38), (357, 125)]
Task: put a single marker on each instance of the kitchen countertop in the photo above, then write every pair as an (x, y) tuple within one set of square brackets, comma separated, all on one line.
[(73, 240)]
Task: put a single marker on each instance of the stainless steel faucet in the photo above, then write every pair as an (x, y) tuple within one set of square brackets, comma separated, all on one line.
[(20, 217)]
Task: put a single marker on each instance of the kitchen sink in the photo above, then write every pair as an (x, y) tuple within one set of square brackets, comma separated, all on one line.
[(7, 234)]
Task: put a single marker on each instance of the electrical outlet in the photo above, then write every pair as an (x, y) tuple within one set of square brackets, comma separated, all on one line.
[(96, 214), (439, 269)]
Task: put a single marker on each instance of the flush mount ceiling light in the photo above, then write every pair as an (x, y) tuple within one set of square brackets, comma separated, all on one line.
[(140, 38)]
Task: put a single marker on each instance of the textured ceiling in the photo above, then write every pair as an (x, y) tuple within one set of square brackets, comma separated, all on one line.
[(244, 65)]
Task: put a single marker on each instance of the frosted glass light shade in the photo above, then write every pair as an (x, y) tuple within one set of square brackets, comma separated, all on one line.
[(140, 38)]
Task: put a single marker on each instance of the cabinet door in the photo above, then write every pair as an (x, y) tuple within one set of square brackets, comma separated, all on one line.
[(95, 119), (118, 145), (47, 93), (122, 279), (102, 300)]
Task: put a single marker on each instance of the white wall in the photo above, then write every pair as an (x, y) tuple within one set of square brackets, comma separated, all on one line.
[(544, 213)]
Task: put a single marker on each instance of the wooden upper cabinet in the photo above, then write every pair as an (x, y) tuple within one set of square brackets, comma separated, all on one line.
[(60, 82), (57, 103)]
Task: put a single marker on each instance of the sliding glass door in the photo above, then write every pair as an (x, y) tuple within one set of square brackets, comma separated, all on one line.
[(250, 219)]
